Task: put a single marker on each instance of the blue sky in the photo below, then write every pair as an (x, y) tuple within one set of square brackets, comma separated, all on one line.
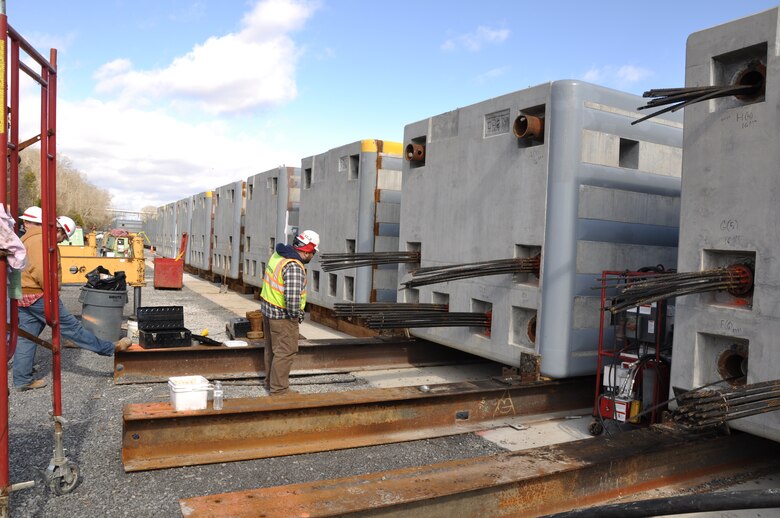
[(162, 99)]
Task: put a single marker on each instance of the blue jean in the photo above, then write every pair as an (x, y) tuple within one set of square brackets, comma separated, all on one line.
[(32, 319)]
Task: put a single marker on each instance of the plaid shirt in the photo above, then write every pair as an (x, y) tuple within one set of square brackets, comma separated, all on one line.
[(294, 277), (28, 299)]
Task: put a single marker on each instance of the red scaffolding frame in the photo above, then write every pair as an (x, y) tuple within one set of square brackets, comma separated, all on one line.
[(60, 473)]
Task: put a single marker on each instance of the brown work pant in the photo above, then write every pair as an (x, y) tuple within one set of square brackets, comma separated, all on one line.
[(281, 346)]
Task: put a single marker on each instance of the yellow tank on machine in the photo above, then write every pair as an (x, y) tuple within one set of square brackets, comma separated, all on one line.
[(77, 261), (78, 246)]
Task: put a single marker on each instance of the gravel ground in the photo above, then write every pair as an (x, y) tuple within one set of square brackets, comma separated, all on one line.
[(92, 404)]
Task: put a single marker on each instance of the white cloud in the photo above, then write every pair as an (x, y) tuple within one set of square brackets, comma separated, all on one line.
[(150, 158), (43, 42), (633, 74), (144, 152), (593, 75), (251, 68), (474, 41), (622, 76), (493, 73)]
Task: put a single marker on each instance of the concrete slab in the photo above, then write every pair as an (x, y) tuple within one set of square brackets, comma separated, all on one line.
[(429, 375), (526, 432)]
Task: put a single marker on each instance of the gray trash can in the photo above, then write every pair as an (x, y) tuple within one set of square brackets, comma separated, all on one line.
[(102, 312)]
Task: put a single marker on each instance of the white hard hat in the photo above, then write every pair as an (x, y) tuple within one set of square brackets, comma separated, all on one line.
[(33, 215), (67, 224), (307, 237)]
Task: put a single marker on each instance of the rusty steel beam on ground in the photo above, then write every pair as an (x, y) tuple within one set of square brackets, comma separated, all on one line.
[(330, 356), (533, 482), (155, 436)]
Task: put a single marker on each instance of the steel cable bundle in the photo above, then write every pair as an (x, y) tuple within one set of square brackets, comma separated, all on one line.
[(709, 407), (391, 320), (332, 262), (681, 97), (635, 291), (396, 308), (436, 274)]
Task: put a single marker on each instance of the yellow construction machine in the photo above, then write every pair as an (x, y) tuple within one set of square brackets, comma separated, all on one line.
[(119, 253)]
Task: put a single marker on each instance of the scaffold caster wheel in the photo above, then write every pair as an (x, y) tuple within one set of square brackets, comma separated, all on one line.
[(595, 428), (64, 479)]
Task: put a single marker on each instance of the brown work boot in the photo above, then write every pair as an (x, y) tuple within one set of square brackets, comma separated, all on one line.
[(284, 392), (69, 344), (122, 344), (35, 384)]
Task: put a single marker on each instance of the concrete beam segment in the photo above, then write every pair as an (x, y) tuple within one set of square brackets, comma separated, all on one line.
[(272, 205), (228, 206), (350, 196), (730, 211), (200, 239), (589, 188)]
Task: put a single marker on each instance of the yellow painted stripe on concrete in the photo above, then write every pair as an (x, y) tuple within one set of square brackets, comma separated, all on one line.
[(388, 147), (394, 148)]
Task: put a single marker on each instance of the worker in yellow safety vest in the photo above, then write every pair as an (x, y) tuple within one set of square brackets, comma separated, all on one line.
[(282, 300)]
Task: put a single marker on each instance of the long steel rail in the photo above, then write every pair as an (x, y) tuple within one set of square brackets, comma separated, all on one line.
[(156, 436), (533, 482), (137, 365)]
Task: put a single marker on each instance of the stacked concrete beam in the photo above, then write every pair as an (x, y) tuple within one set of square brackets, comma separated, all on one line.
[(184, 224), (272, 205), (228, 203), (151, 229), (350, 195), (167, 230), (731, 211), (199, 248), (590, 193)]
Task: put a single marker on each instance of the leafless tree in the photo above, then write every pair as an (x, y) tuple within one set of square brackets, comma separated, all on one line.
[(87, 204)]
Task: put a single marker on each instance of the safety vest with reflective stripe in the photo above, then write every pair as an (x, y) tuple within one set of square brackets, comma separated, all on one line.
[(273, 281)]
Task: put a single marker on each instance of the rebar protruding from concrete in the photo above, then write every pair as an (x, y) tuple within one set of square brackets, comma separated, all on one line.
[(391, 320), (374, 308), (331, 262), (737, 279), (749, 84), (436, 274), (710, 407)]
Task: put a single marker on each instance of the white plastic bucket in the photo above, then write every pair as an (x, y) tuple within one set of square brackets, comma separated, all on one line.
[(189, 392)]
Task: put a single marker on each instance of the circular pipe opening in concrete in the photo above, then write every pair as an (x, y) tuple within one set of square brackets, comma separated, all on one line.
[(754, 75), (532, 329), (528, 126), (415, 152), (742, 275), (733, 364)]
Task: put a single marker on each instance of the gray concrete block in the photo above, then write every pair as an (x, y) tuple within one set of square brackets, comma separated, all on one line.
[(580, 194)]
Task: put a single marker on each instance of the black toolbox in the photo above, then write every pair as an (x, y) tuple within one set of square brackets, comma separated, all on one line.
[(162, 326), (238, 327), (165, 338)]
